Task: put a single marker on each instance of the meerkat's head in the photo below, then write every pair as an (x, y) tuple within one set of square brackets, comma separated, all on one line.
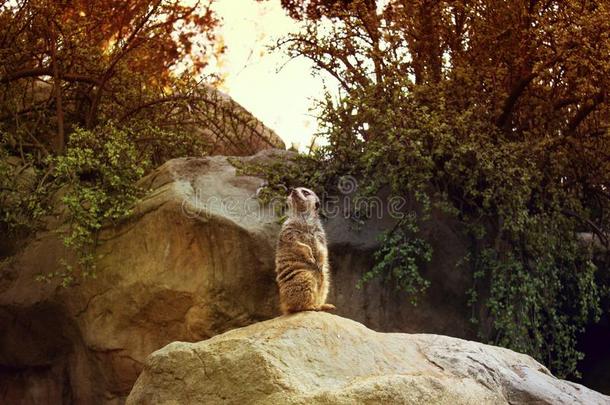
[(303, 201)]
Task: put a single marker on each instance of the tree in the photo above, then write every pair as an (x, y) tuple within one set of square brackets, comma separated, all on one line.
[(93, 94), (141, 63), (496, 112)]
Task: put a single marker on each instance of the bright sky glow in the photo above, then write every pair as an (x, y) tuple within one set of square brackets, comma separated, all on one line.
[(280, 98)]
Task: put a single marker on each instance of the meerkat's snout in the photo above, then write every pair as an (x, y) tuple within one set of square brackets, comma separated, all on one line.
[(302, 201)]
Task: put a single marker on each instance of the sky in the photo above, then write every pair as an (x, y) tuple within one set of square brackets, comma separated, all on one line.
[(278, 93)]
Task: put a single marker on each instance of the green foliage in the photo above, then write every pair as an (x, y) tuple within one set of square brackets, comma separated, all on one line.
[(155, 145), (99, 171), (399, 259), (531, 305), (67, 274), (22, 196), (298, 170), (67, 69)]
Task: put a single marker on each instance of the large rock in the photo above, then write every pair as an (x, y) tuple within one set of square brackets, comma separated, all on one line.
[(177, 270), (195, 260), (318, 358)]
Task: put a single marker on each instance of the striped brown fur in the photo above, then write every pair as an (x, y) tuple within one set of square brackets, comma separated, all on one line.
[(302, 256)]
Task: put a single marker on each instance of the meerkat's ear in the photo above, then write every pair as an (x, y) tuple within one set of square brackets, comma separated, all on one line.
[(317, 205)]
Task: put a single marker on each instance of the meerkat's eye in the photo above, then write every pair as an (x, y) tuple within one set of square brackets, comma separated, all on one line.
[(306, 193)]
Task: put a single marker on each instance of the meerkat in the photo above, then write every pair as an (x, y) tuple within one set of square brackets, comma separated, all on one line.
[(301, 261)]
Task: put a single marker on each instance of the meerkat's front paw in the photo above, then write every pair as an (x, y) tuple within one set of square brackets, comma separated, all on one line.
[(327, 307)]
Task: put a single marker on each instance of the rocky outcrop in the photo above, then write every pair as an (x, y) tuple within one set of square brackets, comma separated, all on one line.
[(318, 358), (195, 260), (177, 270)]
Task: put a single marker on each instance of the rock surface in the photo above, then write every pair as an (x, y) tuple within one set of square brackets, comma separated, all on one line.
[(318, 358)]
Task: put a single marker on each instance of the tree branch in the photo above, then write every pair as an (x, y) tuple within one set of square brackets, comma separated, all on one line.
[(584, 112), (57, 90), (596, 230), (127, 47), (511, 101), (47, 71)]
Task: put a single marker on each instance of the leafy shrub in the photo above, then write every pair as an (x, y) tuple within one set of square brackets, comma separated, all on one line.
[(22, 196), (399, 259), (98, 171)]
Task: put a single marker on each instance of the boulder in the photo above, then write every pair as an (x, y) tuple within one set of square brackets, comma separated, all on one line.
[(178, 269), (318, 358)]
